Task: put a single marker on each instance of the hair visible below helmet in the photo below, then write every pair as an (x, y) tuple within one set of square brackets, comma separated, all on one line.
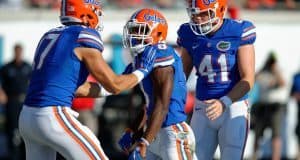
[(215, 10), (145, 27), (86, 12)]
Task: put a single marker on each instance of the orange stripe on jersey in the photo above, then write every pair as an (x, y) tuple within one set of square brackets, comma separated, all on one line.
[(89, 40), (89, 33), (70, 133), (177, 143), (163, 59), (97, 149), (248, 28), (249, 36)]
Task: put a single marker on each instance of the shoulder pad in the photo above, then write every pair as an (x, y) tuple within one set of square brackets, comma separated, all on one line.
[(90, 38), (184, 35), (248, 35), (164, 57)]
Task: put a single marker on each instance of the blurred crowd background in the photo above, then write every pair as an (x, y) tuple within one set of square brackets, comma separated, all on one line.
[(274, 99), (169, 4)]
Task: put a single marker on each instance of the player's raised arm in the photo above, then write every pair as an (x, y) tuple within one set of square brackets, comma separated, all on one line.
[(106, 77)]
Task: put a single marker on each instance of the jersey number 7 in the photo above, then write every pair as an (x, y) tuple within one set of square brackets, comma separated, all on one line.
[(43, 49)]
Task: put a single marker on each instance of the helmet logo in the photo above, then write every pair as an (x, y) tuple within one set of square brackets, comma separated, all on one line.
[(94, 2), (154, 18), (208, 2)]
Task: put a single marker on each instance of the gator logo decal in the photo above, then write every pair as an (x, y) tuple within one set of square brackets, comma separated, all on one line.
[(223, 46), (94, 2), (208, 2), (154, 18)]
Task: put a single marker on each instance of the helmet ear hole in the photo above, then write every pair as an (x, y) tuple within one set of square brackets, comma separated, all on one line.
[(159, 34), (89, 16), (83, 18), (222, 9)]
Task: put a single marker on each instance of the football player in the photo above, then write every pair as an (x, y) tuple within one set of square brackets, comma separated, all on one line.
[(295, 93), (166, 136), (222, 52), (63, 59)]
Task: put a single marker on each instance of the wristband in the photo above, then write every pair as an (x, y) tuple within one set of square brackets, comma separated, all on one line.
[(145, 141), (139, 75), (226, 101), (103, 92)]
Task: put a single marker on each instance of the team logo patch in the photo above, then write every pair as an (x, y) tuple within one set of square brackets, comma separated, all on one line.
[(182, 135), (223, 46)]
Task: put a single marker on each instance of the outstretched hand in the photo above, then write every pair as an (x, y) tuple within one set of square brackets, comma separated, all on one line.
[(126, 141)]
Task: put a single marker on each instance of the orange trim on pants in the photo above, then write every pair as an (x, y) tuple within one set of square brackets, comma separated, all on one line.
[(186, 143), (71, 134), (78, 129), (177, 143)]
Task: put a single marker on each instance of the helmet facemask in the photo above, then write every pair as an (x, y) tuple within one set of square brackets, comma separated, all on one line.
[(136, 36), (205, 27)]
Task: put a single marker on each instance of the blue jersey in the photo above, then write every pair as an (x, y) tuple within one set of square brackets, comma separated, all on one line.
[(296, 84), (57, 72), (215, 56), (166, 56)]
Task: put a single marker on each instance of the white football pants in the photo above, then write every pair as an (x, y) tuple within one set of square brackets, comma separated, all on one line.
[(175, 142), (229, 131), (55, 129)]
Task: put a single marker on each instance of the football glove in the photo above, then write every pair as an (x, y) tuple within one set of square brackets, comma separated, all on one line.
[(146, 60), (126, 141)]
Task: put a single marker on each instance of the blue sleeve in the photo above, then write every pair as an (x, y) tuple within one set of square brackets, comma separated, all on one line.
[(248, 35), (181, 36), (90, 38), (128, 69), (164, 55)]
